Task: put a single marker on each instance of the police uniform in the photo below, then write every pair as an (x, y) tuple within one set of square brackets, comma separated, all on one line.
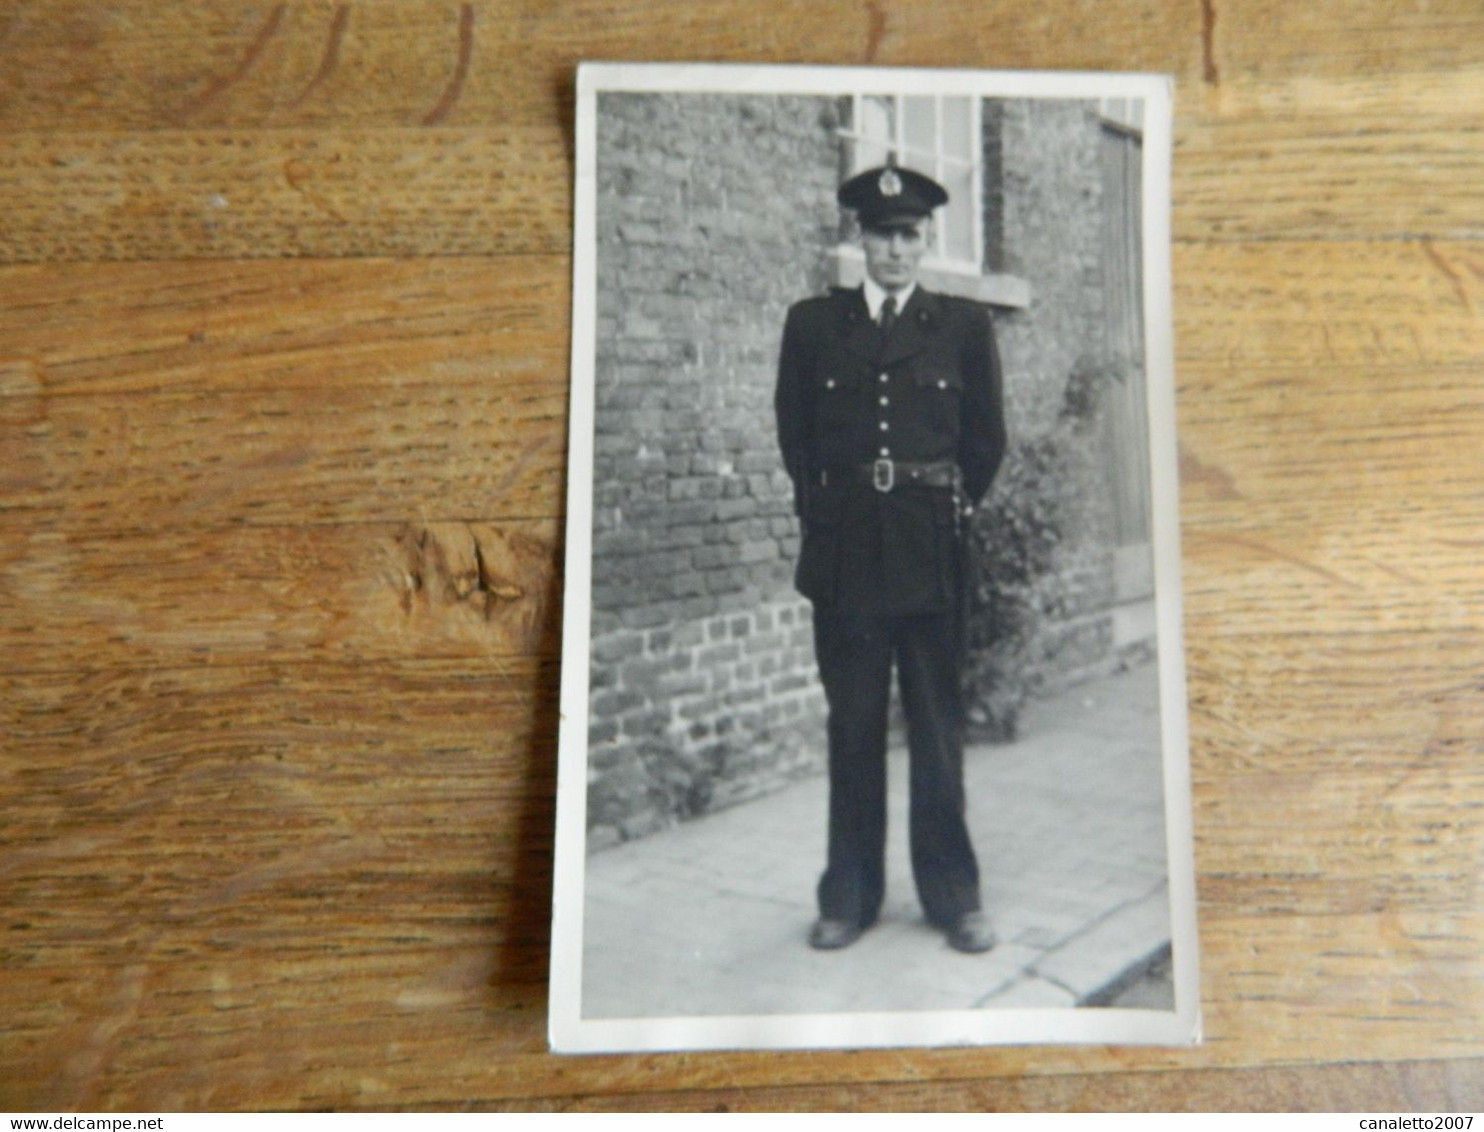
[(890, 434)]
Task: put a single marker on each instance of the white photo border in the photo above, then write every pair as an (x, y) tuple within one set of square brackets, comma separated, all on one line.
[(568, 1031)]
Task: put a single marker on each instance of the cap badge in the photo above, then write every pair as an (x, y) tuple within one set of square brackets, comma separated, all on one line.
[(890, 184)]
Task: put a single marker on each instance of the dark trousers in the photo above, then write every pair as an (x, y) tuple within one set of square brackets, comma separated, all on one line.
[(855, 654)]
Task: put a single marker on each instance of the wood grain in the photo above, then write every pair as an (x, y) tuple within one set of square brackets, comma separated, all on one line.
[(283, 351), (214, 327), (1326, 158), (1324, 306), (1275, 40), (246, 593), (136, 66), (1395, 1087), (337, 453), (1382, 157)]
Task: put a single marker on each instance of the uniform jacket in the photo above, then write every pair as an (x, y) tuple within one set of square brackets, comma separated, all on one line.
[(934, 383)]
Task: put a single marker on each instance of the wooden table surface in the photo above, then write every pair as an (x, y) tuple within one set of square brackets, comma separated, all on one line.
[(283, 382)]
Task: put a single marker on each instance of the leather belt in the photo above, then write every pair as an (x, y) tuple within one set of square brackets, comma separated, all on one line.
[(887, 474)]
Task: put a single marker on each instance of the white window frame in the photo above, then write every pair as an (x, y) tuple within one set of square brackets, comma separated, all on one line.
[(937, 258)]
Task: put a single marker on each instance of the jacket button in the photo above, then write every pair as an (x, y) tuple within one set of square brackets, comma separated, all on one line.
[(884, 426), (830, 384), (885, 377), (942, 384)]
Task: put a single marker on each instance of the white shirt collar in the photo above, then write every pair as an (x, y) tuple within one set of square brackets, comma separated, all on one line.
[(876, 295)]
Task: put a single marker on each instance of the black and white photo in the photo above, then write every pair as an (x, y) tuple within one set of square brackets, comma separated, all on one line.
[(873, 723)]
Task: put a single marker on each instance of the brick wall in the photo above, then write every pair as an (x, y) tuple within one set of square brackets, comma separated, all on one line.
[(1044, 223), (714, 214)]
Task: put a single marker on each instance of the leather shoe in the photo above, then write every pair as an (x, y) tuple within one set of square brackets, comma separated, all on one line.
[(831, 935), (972, 934)]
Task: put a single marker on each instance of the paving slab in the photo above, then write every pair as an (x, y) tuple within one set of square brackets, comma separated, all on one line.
[(711, 917), (1119, 941)]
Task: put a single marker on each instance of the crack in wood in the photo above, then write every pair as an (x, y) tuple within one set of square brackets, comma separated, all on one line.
[(294, 174), (876, 29), (1208, 42), (1281, 555), (438, 568), (1193, 470), (1452, 275), (260, 41), (461, 67), (331, 56), (486, 583)]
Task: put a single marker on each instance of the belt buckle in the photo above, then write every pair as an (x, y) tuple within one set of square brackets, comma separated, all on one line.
[(883, 475)]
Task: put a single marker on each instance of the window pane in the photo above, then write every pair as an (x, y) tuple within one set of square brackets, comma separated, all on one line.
[(957, 216), (957, 128), (920, 122), (876, 119), (869, 154), (923, 162), (935, 136)]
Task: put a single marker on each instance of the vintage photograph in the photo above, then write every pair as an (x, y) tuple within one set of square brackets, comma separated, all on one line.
[(873, 725)]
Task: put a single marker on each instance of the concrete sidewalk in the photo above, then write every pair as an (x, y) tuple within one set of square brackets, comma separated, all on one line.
[(711, 917)]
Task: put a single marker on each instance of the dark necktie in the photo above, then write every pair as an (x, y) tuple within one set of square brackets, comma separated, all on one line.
[(888, 314)]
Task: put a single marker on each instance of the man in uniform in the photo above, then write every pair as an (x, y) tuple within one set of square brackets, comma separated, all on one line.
[(891, 424)]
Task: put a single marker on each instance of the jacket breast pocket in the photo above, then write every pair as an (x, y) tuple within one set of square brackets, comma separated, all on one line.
[(834, 398), (941, 392)]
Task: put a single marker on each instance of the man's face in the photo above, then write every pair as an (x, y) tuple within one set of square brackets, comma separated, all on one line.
[(894, 253)]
